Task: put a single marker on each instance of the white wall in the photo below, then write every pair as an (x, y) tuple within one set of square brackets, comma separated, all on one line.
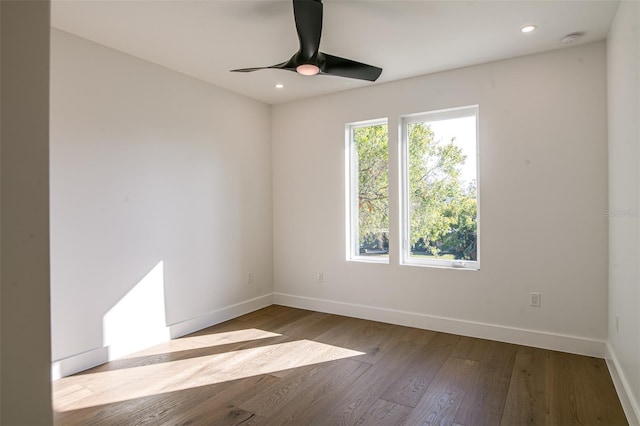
[(158, 181), (543, 198), (623, 51), (25, 387)]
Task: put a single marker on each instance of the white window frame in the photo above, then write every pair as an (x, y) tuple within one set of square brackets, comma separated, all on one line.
[(351, 192), (445, 114)]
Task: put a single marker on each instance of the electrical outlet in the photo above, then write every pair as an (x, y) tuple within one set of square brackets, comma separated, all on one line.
[(249, 277), (319, 277), (535, 299)]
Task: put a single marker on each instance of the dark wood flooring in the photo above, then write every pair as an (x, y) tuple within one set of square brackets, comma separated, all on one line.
[(280, 365)]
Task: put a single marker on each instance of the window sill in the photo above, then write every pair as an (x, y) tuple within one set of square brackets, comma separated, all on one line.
[(443, 264), (369, 259)]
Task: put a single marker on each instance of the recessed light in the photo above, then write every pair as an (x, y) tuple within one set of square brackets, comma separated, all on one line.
[(528, 28), (279, 86)]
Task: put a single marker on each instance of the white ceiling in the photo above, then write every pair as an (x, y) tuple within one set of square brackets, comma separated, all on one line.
[(207, 38)]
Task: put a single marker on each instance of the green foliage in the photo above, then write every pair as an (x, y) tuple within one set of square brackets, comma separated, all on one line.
[(372, 149), (442, 212)]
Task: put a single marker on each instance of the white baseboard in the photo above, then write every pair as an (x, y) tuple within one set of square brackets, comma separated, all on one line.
[(83, 361), (220, 315), (625, 393), (79, 362), (539, 339)]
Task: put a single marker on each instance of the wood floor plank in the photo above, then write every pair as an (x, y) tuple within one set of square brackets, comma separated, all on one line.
[(528, 396), (317, 328), (254, 421), (418, 335), (369, 337), (485, 399), (268, 400), (279, 322), (384, 413), (254, 319), (582, 391), (233, 416), (354, 401), (218, 408), (408, 387), (310, 405), (471, 348), (439, 405), (302, 327)]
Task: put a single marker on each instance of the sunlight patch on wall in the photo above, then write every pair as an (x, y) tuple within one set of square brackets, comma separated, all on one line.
[(107, 387), (138, 320)]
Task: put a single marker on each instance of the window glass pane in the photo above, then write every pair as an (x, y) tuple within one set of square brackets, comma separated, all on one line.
[(370, 152), (442, 188)]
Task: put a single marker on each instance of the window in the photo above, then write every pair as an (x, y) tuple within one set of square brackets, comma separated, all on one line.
[(368, 191), (440, 188)]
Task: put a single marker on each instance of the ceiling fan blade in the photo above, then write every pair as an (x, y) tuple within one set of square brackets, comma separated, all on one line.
[(334, 65), (282, 66), (308, 16), (249, 69)]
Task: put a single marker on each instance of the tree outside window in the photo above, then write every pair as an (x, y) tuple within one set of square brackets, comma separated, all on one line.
[(439, 187)]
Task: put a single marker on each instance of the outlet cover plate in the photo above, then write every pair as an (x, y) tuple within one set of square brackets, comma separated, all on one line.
[(535, 300)]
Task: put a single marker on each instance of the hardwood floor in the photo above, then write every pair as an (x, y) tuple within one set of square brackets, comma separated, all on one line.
[(281, 365)]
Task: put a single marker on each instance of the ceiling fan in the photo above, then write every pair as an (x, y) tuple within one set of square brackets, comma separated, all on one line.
[(308, 60)]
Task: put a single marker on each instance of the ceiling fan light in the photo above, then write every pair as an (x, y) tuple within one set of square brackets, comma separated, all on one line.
[(307, 69)]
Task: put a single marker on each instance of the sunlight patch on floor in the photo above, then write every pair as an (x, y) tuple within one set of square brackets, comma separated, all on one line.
[(92, 389), (205, 341)]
